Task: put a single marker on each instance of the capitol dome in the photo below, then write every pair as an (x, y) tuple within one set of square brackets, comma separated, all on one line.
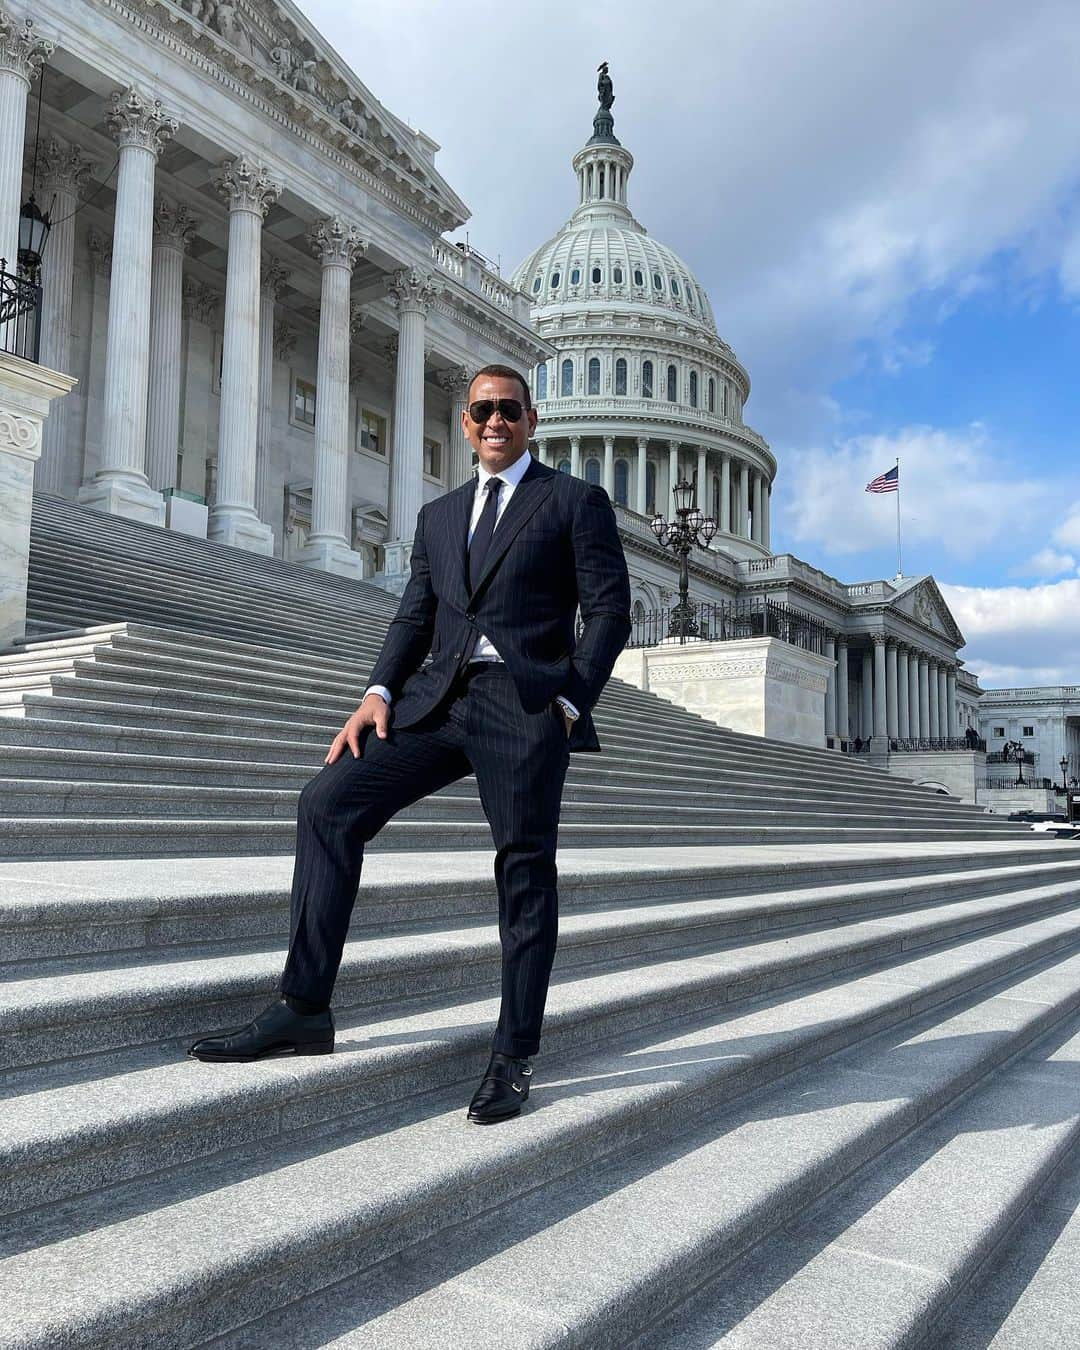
[(643, 389)]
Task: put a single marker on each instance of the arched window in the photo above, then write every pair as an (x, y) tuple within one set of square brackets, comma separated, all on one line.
[(712, 394), (693, 389), (601, 182), (541, 381), (563, 466), (674, 288), (646, 379), (620, 375), (616, 276), (716, 498), (622, 482), (596, 275), (672, 384), (575, 276), (592, 471), (555, 279), (537, 284), (639, 277), (594, 375), (657, 281), (566, 388), (650, 488)]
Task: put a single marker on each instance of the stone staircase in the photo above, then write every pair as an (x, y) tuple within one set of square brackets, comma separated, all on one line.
[(810, 1074)]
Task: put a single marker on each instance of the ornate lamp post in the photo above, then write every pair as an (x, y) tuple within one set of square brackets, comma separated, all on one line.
[(1018, 748), (688, 528), (1063, 765)]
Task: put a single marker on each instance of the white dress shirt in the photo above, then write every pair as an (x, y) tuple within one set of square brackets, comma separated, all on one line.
[(511, 477)]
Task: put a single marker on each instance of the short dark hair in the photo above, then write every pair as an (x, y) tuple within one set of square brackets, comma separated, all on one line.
[(505, 373)]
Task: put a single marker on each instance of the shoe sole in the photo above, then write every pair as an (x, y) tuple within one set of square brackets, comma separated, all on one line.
[(493, 1120), (318, 1048)]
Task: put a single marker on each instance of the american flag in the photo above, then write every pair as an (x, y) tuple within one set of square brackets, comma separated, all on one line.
[(886, 482)]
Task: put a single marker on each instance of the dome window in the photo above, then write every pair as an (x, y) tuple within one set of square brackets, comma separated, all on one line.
[(564, 466), (622, 482), (657, 281), (566, 388), (650, 488), (712, 396), (575, 276), (674, 288), (620, 375), (537, 284), (596, 275), (646, 379), (594, 375), (616, 276), (693, 389), (555, 279), (541, 381), (592, 471), (672, 385), (639, 277)]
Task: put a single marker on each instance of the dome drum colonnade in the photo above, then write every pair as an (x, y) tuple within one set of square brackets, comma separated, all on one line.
[(642, 390)]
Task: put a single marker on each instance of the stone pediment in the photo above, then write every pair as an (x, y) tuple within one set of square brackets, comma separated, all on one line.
[(921, 600), (278, 53)]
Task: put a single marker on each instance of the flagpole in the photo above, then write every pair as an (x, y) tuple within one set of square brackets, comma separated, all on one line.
[(899, 570)]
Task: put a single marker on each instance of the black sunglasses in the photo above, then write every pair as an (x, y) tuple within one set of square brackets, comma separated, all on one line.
[(510, 409)]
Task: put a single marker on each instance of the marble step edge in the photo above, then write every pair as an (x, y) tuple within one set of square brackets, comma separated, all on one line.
[(175, 1288), (57, 1017)]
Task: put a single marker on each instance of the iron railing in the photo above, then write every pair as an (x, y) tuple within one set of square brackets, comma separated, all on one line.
[(20, 315), (1003, 757), (911, 744), (726, 621)]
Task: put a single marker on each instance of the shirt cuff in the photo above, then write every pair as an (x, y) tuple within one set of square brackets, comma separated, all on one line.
[(565, 703), (379, 689)]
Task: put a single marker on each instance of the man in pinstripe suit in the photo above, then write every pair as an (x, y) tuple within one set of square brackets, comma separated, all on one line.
[(499, 569)]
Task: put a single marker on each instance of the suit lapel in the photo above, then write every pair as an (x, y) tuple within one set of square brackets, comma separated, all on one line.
[(459, 505)]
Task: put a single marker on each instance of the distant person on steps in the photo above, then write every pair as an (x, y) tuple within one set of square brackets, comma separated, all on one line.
[(500, 566)]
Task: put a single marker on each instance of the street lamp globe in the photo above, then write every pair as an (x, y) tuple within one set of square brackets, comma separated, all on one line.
[(684, 495)]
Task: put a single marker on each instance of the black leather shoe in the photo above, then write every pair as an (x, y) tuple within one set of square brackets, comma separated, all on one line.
[(503, 1088), (276, 1031)]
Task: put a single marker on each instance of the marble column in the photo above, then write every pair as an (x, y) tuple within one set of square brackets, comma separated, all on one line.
[(673, 478), (99, 246), (63, 172), (22, 55), (903, 695), (272, 281), (249, 192), (702, 497), (924, 698), (456, 383), (641, 496), (843, 719), (141, 127), (609, 466), (866, 691), (914, 720), (337, 245), (932, 687), (891, 715), (412, 292), (725, 492), (943, 702), (830, 690), (744, 499), (766, 514), (756, 523), (173, 228), (575, 456), (542, 452), (880, 697), (950, 702)]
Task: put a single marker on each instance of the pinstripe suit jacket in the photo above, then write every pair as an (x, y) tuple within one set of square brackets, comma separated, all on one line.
[(556, 547)]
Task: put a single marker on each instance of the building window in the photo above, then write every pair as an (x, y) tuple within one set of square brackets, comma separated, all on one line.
[(303, 405), (622, 482), (616, 276), (672, 384), (537, 284), (712, 394), (594, 375), (600, 179), (556, 277), (575, 276), (432, 458), (674, 288), (592, 471), (693, 389), (650, 488), (646, 379), (596, 275), (567, 386), (372, 432), (1028, 731), (541, 381), (657, 281), (620, 375), (639, 277), (563, 466), (999, 731)]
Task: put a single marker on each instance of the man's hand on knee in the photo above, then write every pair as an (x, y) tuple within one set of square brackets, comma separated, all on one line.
[(373, 712)]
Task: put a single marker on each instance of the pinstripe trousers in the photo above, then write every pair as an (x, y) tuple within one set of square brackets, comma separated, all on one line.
[(520, 762)]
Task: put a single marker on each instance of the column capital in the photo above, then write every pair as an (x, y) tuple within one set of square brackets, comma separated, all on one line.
[(336, 242), (390, 347), (173, 225), (245, 185), (643, 443), (200, 301), (575, 440), (21, 52), (135, 120), (412, 290), (100, 246), (63, 168), (609, 443), (455, 381), (878, 639), (273, 277), (674, 445), (284, 340)]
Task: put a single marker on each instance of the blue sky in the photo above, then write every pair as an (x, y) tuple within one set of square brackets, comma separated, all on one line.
[(883, 203)]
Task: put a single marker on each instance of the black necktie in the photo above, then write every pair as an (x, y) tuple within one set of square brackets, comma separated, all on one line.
[(485, 528)]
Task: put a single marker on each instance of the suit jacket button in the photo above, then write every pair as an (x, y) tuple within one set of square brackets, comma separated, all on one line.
[(470, 615), (458, 655)]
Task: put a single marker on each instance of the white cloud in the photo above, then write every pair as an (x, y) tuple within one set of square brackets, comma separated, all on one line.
[(1045, 564), (954, 495), (1019, 635), (1067, 533)]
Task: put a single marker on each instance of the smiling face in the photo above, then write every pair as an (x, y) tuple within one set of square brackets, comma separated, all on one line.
[(498, 443)]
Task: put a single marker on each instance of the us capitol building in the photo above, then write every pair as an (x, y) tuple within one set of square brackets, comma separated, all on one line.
[(248, 275)]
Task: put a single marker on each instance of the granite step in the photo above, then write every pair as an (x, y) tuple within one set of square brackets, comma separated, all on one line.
[(206, 1250)]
